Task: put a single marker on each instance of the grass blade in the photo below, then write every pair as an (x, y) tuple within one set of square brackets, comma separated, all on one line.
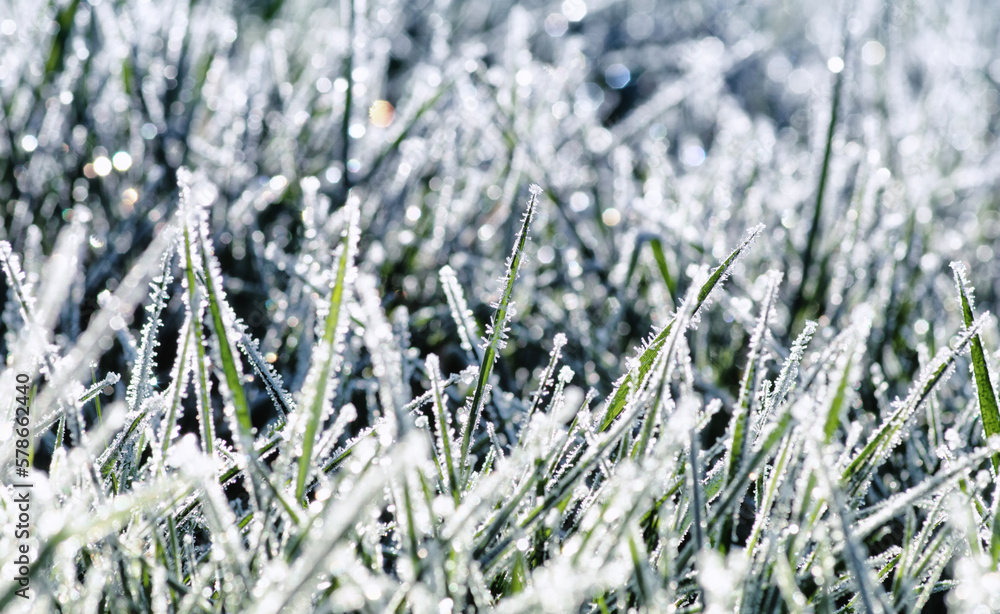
[(886, 438), (739, 424), (327, 355), (984, 387), (191, 221), (637, 375), (497, 329), (443, 418), (460, 312)]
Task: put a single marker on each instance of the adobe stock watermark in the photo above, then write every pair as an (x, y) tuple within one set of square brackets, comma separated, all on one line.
[(21, 512)]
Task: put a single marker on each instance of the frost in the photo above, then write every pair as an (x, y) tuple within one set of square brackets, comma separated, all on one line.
[(329, 401)]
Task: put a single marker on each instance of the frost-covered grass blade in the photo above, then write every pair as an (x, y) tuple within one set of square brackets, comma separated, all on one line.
[(638, 374), (984, 386)]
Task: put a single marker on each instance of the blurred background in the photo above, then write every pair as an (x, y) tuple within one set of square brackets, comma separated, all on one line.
[(861, 134)]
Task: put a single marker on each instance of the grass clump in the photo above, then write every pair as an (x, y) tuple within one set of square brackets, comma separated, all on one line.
[(250, 253)]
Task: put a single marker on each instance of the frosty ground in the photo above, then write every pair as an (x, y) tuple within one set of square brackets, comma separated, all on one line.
[(444, 306)]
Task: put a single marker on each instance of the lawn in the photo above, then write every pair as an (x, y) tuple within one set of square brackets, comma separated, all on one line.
[(442, 306)]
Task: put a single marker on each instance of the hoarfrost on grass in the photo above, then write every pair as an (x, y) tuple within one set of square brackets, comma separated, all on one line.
[(330, 196)]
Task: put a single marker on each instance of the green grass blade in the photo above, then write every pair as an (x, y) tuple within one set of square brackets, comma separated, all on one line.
[(195, 309), (635, 377), (883, 440), (809, 252), (656, 245), (739, 424), (497, 328), (723, 507), (698, 499), (443, 425), (995, 532), (228, 355), (984, 387), (837, 403), (326, 360), (845, 365), (777, 475)]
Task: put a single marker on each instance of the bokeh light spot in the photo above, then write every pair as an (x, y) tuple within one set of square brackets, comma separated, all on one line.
[(381, 113)]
